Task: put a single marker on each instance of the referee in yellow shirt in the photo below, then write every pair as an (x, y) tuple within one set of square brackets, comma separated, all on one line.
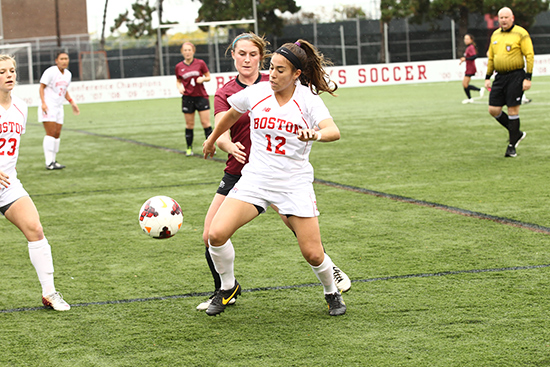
[(510, 44)]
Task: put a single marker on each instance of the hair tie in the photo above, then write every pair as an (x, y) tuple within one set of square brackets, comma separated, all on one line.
[(238, 38), (294, 60), (298, 44)]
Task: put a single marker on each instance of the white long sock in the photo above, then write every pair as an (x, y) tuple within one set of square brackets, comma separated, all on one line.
[(324, 273), (40, 253), (223, 258), (56, 146), (49, 149)]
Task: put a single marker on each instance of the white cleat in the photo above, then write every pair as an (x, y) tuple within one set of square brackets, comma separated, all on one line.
[(55, 301), (469, 100), (343, 283), (481, 92)]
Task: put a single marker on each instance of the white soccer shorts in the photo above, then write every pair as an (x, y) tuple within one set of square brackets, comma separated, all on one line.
[(300, 203), (11, 193), (55, 114)]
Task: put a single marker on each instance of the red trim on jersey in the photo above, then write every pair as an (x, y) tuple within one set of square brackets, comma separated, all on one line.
[(17, 108), (260, 102)]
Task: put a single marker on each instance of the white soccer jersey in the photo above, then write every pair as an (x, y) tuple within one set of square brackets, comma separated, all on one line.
[(12, 126), (278, 160), (57, 84)]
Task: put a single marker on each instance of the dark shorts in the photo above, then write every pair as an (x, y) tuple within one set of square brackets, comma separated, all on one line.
[(191, 104), (507, 89), (4, 209), (470, 75), (227, 183)]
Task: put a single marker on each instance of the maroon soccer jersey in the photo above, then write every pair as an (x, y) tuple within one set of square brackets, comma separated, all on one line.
[(240, 131), (188, 75), (470, 56)]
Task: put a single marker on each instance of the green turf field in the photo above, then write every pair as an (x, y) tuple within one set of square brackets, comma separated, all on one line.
[(446, 241)]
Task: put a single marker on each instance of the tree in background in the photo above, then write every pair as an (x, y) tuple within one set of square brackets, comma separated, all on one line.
[(392, 9), (525, 12), (141, 25), (269, 22)]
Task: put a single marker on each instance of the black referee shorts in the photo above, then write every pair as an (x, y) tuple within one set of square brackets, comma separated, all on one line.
[(507, 89), (191, 104)]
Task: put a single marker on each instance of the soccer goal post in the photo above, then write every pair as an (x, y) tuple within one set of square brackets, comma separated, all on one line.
[(22, 52)]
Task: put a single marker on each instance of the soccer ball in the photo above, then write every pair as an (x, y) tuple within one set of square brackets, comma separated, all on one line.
[(160, 217)]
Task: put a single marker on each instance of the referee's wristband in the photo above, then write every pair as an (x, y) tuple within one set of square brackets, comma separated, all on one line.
[(487, 77), (528, 76)]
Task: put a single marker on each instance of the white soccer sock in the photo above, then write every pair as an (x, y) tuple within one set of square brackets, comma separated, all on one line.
[(324, 273), (40, 253), (56, 145), (223, 258), (49, 149)]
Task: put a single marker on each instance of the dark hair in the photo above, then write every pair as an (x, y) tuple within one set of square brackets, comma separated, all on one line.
[(472, 38), (258, 41), (312, 64), (58, 53)]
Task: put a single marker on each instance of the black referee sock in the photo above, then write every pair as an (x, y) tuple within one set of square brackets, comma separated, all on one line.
[(207, 131), (513, 128), (503, 119), (215, 274), (189, 137)]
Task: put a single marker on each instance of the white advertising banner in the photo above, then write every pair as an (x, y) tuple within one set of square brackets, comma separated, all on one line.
[(113, 90)]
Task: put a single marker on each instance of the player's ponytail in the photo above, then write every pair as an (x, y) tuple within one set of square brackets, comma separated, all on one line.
[(304, 56)]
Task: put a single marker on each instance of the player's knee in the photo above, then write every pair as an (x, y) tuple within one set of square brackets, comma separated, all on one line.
[(314, 258), (34, 231), (217, 238)]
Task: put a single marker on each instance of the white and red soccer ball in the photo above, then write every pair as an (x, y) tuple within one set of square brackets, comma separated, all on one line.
[(160, 217)]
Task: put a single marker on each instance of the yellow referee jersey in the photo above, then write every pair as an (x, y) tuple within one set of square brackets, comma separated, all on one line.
[(507, 50)]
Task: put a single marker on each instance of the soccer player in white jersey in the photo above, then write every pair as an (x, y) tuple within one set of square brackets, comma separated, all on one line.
[(15, 203), (286, 117), (249, 52), (53, 92)]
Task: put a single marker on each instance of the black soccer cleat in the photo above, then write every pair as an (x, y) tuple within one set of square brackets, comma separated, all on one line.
[(222, 298), (54, 165), (336, 305), (510, 151)]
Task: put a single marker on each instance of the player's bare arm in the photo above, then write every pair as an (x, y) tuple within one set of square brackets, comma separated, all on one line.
[(224, 143), (74, 106), (41, 92), (4, 179), (328, 132), (223, 125), (203, 79), (180, 86)]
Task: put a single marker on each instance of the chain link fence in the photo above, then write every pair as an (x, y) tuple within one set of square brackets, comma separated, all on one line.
[(350, 42)]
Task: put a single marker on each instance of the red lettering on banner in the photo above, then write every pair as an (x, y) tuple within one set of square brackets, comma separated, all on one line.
[(374, 75), (342, 76), (395, 75), (220, 81), (384, 77), (421, 72), (362, 76), (408, 73)]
